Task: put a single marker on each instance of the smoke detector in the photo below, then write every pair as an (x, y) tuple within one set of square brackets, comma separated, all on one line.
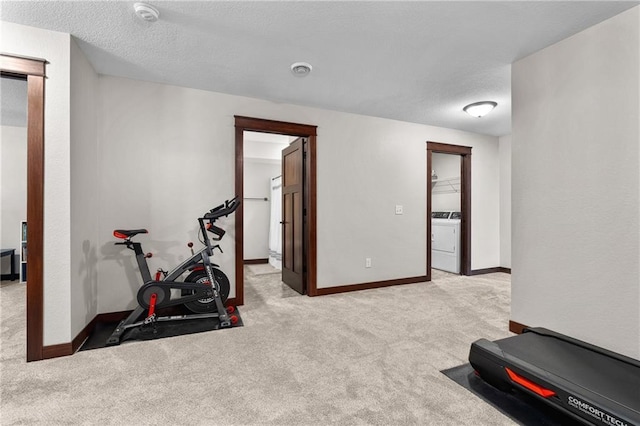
[(300, 69), (146, 12)]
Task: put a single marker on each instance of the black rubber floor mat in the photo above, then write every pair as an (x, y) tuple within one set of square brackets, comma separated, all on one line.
[(520, 407), (102, 331)]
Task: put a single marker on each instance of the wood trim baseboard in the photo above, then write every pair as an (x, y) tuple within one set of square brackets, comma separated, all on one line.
[(370, 285), (490, 270), (112, 316), (56, 351), (255, 261), (83, 335), (516, 327), (66, 349)]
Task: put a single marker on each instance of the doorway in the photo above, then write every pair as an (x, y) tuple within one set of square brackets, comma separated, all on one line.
[(13, 195), (453, 184), (13, 157), (307, 244), (33, 71), (262, 158)]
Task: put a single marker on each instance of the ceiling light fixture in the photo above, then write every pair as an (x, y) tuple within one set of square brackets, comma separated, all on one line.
[(146, 12), (479, 109), (300, 69)]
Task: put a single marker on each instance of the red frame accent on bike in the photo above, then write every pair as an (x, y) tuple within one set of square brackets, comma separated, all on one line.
[(152, 304)]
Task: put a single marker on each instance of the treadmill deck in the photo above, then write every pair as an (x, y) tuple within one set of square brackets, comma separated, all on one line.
[(608, 377), (589, 383)]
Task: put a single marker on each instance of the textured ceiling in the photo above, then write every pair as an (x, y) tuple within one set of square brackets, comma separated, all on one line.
[(413, 61)]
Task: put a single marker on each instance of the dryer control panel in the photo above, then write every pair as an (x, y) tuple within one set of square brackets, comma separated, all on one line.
[(440, 215)]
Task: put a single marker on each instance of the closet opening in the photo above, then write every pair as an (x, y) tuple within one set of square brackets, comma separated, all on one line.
[(448, 209)]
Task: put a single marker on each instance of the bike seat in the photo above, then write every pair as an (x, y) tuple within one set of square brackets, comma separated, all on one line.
[(128, 233)]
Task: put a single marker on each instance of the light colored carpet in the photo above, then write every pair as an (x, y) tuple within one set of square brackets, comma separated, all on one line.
[(368, 357), (263, 269)]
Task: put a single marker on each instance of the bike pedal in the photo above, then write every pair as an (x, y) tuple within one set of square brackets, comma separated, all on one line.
[(150, 319)]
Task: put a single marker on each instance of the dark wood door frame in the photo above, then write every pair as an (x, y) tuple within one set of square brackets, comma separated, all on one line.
[(33, 71), (465, 201), (243, 124)]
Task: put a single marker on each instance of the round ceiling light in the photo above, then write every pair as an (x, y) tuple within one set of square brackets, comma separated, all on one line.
[(300, 69), (479, 109), (146, 12)]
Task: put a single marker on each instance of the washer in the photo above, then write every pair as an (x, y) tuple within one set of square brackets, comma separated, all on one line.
[(445, 241)]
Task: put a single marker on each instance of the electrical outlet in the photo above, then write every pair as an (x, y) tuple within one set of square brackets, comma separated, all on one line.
[(399, 209), (367, 262)]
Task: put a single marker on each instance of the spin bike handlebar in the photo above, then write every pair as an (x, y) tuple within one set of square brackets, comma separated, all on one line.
[(225, 209)]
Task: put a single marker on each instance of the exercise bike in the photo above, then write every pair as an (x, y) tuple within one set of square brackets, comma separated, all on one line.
[(203, 291)]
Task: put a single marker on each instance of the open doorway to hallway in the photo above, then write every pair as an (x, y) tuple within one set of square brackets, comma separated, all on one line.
[(13, 226), (33, 72), (298, 203), (263, 201)]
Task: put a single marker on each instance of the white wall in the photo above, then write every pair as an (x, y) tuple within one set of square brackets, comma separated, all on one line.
[(84, 196), (445, 195), (13, 189), (269, 148), (55, 48), (504, 146), (576, 190), (257, 213), (368, 165), (166, 156), (13, 102), (172, 137)]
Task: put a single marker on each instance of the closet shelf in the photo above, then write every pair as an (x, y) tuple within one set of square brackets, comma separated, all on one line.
[(448, 185)]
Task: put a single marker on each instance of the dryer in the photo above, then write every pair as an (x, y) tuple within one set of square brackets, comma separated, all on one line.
[(445, 241)]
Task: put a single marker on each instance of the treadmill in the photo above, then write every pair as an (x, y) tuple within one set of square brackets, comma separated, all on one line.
[(590, 384)]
